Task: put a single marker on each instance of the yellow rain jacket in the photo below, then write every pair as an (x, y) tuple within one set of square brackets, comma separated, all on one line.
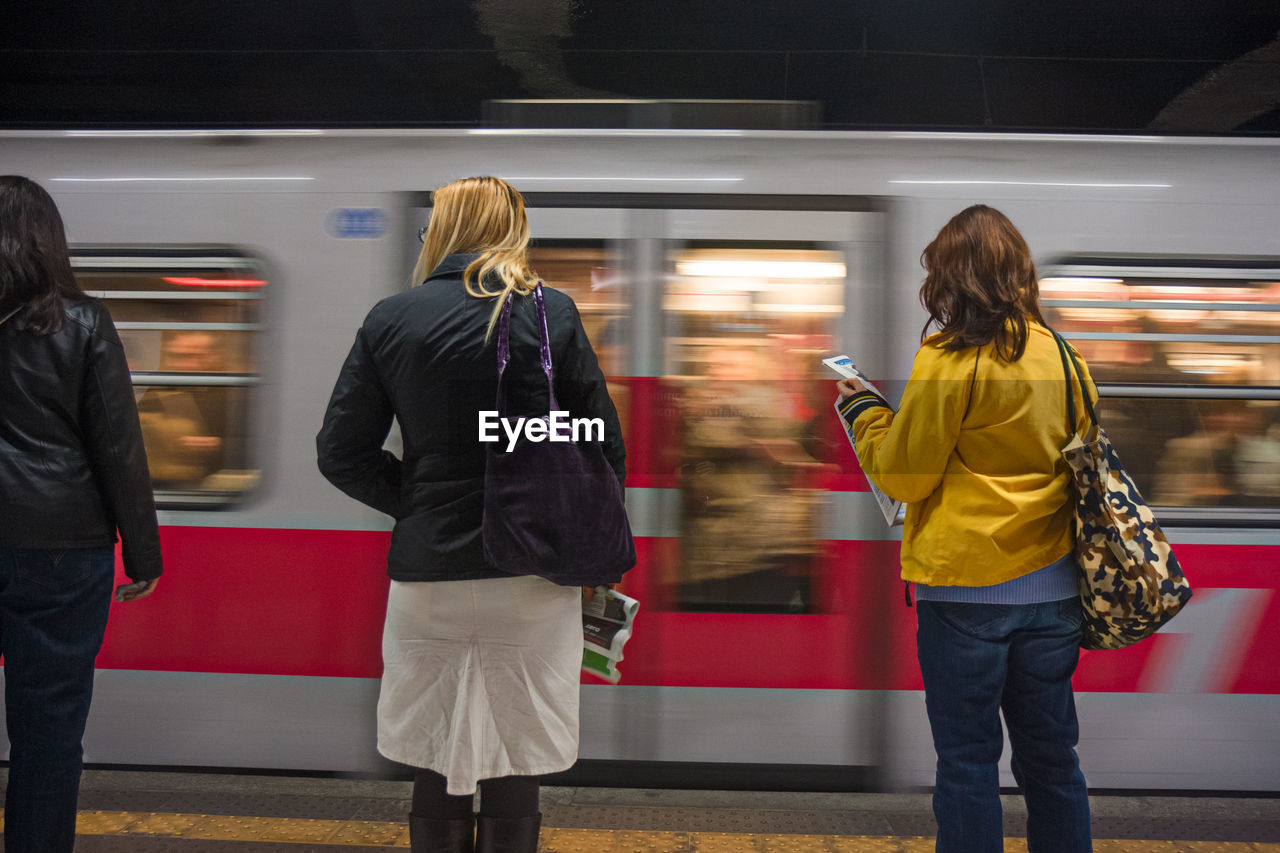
[(977, 458)]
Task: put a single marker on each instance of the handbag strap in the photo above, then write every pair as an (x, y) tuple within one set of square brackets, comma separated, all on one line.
[(972, 382), (1064, 352), (544, 342)]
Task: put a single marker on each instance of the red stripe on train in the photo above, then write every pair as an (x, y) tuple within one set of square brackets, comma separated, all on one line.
[(311, 603)]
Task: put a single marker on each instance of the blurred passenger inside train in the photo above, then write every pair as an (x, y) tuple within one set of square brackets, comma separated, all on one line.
[(184, 426), (73, 476), (1233, 459), (1258, 458), (975, 451), (748, 537), (480, 668), (1184, 452), (1141, 426)]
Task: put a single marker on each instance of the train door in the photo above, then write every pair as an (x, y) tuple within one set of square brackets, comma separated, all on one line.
[(762, 555)]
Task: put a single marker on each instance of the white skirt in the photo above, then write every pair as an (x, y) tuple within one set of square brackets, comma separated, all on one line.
[(480, 678)]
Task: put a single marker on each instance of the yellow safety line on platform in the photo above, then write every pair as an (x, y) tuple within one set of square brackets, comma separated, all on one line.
[(365, 833)]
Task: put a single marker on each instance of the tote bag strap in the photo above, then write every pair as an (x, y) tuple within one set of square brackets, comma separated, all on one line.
[(1066, 355), (544, 342), (972, 384)]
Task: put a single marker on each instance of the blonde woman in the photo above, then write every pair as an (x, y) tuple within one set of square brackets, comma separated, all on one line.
[(480, 678)]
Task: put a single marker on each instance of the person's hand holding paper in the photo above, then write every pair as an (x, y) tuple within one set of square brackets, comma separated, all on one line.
[(853, 382), (849, 387)]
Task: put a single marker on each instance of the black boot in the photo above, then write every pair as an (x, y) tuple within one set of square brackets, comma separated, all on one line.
[(507, 835), (427, 835)]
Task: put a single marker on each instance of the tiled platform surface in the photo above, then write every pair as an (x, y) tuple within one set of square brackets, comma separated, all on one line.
[(209, 813)]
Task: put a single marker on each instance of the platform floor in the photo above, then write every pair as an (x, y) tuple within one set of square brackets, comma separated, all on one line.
[(149, 812)]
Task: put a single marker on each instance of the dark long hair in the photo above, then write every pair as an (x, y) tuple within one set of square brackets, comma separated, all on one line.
[(980, 283), (35, 264)]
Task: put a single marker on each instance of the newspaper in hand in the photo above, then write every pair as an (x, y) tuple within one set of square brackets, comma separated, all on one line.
[(606, 626), (844, 365)]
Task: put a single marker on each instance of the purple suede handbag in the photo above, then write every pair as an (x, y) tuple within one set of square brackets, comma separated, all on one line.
[(552, 508)]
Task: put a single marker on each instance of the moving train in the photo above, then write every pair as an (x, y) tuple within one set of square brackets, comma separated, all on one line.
[(714, 270)]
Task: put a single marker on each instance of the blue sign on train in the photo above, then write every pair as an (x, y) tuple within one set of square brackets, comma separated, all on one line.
[(356, 223)]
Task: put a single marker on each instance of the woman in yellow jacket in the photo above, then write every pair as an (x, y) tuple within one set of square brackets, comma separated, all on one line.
[(975, 451)]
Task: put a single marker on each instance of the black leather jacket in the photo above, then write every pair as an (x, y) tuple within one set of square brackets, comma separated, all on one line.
[(73, 470), (421, 358)]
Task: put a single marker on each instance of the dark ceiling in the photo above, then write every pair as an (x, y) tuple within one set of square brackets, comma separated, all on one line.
[(1097, 65)]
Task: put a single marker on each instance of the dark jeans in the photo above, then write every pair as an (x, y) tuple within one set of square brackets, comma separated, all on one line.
[(53, 612), (976, 660)]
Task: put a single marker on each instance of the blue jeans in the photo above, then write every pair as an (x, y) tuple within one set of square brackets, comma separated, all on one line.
[(976, 660), (53, 613)]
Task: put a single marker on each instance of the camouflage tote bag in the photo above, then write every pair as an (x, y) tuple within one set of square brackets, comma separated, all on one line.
[(1130, 581)]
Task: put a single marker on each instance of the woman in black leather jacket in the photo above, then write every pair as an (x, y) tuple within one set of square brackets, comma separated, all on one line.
[(73, 472)]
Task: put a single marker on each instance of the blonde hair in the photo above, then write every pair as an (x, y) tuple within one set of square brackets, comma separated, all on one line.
[(482, 215)]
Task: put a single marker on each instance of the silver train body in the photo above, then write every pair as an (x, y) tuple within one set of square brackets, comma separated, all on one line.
[(291, 236)]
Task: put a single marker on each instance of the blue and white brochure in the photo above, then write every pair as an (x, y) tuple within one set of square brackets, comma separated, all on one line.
[(842, 364)]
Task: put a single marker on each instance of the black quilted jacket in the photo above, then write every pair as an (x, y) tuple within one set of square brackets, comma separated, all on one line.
[(421, 358), (73, 470)]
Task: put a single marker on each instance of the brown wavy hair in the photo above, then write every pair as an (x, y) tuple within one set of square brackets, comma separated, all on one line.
[(980, 283), (35, 264)]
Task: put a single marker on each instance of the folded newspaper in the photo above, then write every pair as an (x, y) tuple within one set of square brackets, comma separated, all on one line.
[(606, 626), (844, 365)]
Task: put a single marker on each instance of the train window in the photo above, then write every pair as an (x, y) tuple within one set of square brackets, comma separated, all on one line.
[(1187, 360), (588, 272), (747, 325), (190, 327)]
